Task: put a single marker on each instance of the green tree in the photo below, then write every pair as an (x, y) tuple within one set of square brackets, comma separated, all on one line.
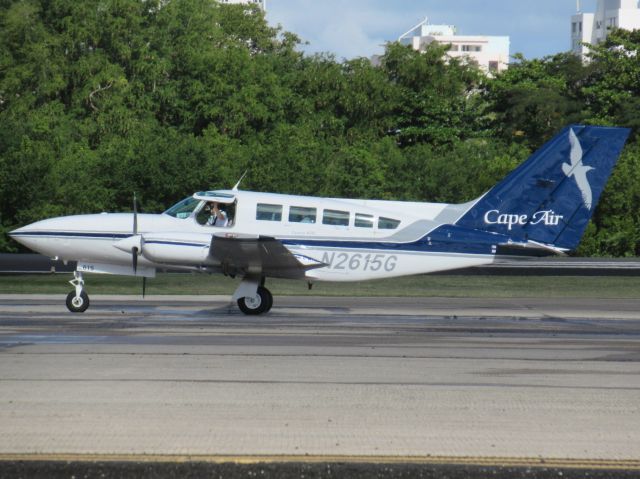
[(615, 227), (613, 88), (437, 104), (534, 99)]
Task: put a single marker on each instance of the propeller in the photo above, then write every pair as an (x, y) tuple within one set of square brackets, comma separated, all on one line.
[(133, 244), (135, 250), (135, 214)]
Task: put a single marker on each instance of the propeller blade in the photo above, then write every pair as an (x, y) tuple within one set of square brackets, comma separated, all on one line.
[(134, 251), (135, 214), (144, 285)]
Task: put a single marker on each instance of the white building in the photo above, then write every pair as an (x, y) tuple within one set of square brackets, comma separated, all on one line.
[(261, 3), (593, 28), (491, 53)]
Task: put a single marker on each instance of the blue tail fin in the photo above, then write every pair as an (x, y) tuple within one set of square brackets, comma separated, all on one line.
[(551, 196)]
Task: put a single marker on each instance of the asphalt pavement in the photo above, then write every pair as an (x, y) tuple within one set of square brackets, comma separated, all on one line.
[(320, 387)]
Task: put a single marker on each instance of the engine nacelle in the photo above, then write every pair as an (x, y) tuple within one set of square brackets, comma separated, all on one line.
[(177, 248)]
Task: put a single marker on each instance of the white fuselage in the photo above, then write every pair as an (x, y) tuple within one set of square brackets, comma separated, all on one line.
[(356, 239)]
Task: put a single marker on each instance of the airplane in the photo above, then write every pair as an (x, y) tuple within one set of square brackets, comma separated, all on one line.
[(541, 208)]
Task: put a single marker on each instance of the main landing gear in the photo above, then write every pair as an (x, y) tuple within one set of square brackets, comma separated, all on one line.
[(258, 304), (252, 297), (78, 299)]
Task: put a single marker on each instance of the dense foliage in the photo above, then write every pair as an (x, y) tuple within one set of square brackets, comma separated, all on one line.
[(99, 99)]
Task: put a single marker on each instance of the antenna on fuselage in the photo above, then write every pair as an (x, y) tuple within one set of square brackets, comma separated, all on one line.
[(235, 188)]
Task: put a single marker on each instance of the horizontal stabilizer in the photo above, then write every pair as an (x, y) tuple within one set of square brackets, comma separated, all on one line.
[(531, 248)]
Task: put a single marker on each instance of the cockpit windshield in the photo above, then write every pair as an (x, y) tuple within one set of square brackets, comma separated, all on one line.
[(184, 208), (199, 206)]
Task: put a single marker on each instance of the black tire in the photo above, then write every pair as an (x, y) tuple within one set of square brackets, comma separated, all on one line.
[(77, 305), (257, 307), (270, 300)]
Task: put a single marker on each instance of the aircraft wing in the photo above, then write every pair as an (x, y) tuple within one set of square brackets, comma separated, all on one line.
[(263, 256)]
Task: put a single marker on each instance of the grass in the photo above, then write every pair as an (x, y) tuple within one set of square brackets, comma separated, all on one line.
[(490, 286)]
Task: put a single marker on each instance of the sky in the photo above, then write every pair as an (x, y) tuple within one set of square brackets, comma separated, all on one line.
[(360, 28)]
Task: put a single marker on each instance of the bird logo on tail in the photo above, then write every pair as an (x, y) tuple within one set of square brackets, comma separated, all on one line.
[(578, 170)]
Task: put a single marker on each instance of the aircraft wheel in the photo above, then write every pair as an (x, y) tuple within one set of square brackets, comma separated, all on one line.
[(258, 305), (269, 298), (77, 304)]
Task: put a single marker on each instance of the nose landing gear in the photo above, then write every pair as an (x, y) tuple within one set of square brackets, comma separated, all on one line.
[(78, 299)]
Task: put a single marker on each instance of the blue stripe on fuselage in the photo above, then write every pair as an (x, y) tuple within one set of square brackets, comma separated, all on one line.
[(67, 234), (177, 243), (444, 239)]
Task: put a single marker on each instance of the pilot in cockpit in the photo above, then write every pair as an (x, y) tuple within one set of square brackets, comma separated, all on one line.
[(217, 216)]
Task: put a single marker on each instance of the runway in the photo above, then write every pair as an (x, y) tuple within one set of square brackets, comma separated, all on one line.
[(507, 381)]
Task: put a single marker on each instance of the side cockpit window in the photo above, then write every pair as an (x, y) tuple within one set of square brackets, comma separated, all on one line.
[(216, 214)]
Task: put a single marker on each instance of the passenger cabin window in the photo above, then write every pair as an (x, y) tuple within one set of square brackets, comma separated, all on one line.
[(299, 214), (267, 212), (335, 218), (387, 223), (364, 221)]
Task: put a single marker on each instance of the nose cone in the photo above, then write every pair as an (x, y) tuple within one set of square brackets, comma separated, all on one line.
[(78, 237), (21, 231), (24, 231), (27, 235), (43, 236)]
